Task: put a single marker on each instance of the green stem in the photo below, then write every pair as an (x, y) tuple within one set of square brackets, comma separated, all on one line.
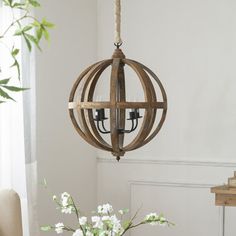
[(77, 215), (12, 24)]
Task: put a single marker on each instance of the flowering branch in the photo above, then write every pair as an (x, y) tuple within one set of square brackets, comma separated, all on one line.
[(104, 222)]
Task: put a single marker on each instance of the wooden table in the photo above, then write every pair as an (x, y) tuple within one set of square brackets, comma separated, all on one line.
[(225, 195)]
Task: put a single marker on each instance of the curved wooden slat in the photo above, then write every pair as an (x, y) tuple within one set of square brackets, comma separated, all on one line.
[(82, 76), (149, 115), (121, 98), (164, 112), (71, 99), (113, 110), (114, 97), (88, 93), (87, 130)]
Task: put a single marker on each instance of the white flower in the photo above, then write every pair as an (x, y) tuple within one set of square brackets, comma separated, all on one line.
[(78, 232), (65, 195), (67, 210), (121, 212), (59, 228), (105, 218), (98, 222), (88, 233), (82, 220), (105, 209), (54, 197), (64, 199), (116, 226)]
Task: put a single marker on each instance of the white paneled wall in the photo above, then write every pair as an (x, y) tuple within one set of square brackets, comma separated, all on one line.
[(181, 190), (190, 45)]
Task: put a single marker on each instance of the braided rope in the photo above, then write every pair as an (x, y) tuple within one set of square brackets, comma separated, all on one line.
[(118, 40)]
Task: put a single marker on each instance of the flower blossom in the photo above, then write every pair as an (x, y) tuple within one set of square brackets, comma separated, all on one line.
[(98, 222), (105, 209), (59, 228), (66, 203), (88, 233), (78, 232), (116, 226), (82, 220)]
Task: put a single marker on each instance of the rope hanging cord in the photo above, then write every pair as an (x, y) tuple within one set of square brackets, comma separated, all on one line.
[(118, 40)]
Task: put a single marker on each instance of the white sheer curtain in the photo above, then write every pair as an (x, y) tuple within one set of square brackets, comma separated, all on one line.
[(17, 162)]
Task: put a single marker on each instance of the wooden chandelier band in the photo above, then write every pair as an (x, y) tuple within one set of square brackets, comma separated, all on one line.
[(153, 75), (71, 100), (150, 96), (121, 112), (113, 111), (119, 105), (86, 125), (87, 95), (81, 131), (154, 111), (164, 112)]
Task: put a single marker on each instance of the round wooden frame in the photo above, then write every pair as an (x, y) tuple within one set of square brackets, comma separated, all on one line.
[(117, 105)]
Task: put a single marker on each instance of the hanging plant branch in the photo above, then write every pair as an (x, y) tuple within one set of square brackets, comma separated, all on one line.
[(31, 32)]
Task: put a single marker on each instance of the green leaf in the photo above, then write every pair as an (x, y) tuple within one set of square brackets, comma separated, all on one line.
[(127, 224), (27, 28), (14, 89), (46, 228), (2, 102), (47, 24), (34, 3), (5, 95), (16, 64), (7, 2), (18, 32), (33, 39), (22, 31), (4, 81), (19, 5), (27, 42), (46, 34), (15, 52), (39, 33), (36, 24)]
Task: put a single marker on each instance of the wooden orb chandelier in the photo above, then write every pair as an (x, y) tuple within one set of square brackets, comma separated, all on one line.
[(89, 116)]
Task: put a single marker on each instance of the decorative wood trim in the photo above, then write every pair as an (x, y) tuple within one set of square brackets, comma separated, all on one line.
[(168, 162)]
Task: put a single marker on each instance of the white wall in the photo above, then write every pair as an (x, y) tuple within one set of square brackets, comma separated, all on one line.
[(190, 45), (63, 157)]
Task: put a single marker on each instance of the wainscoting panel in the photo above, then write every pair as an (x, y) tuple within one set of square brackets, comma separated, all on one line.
[(179, 189), (188, 206)]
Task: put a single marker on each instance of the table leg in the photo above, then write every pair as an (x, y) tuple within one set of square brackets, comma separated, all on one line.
[(223, 221)]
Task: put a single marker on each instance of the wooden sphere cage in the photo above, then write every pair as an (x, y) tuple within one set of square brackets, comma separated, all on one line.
[(82, 109)]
